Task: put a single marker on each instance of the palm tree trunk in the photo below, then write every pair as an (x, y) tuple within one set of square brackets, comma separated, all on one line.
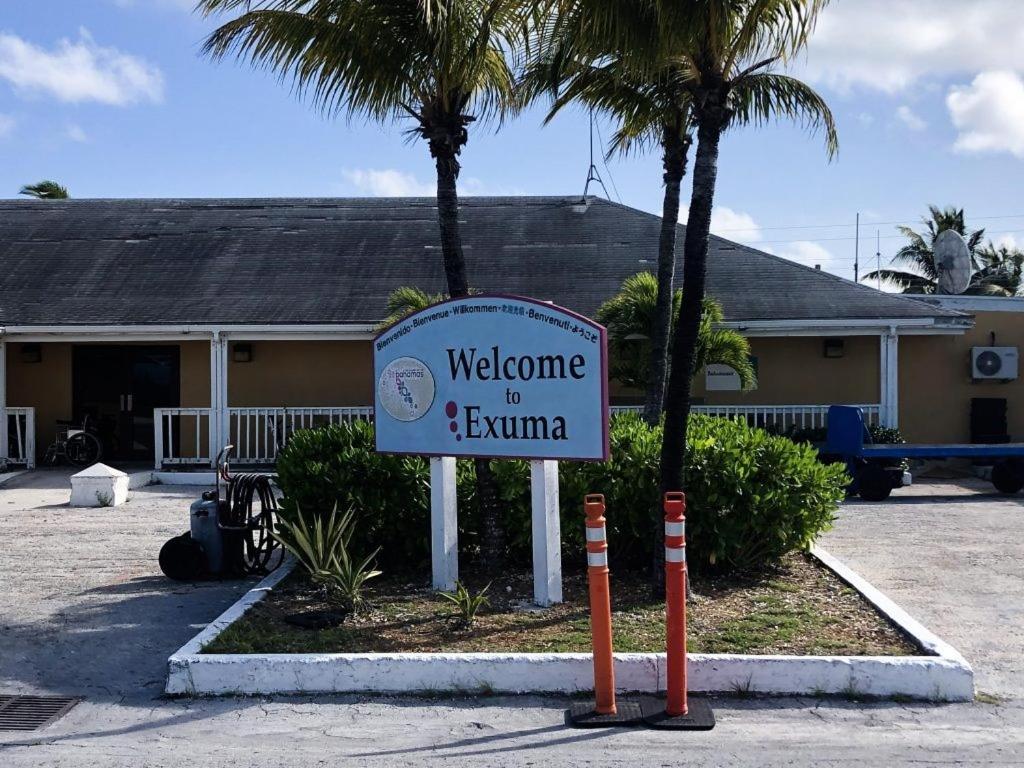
[(445, 152), (684, 343), (447, 163), (674, 151)]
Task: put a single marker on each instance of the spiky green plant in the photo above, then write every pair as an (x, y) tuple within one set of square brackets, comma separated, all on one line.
[(322, 550), (467, 603)]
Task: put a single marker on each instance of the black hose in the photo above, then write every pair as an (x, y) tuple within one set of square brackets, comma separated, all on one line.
[(249, 546)]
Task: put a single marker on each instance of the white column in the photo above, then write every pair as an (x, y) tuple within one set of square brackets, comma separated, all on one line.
[(889, 384), (225, 417), (220, 424), (444, 524), (3, 402), (547, 533)]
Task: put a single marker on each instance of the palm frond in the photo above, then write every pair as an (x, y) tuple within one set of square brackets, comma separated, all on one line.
[(760, 98)]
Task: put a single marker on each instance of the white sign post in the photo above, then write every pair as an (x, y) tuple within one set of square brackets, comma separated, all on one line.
[(494, 377), (444, 524), (547, 533)]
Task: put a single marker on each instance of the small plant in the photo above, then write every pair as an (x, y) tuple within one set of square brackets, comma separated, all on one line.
[(467, 603), (104, 499), (322, 548)]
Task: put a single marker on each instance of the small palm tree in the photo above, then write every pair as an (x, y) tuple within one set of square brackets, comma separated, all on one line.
[(45, 190), (631, 71), (918, 256), (727, 61), (996, 270), (1000, 272), (405, 300), (630, 316)]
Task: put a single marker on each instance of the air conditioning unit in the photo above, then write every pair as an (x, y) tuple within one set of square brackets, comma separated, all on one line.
[(994, 363)]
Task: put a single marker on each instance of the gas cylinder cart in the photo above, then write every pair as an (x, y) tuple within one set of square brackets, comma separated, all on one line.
[(230, 534), (849, 441)]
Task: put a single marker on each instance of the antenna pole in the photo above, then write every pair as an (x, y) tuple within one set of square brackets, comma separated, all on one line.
[(878, 257), (856, 253)]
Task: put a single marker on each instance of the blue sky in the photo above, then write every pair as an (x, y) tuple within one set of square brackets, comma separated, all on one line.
[(111, 98)]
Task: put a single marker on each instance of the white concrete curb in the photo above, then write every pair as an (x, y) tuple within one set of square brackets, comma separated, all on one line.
[(943, 675)]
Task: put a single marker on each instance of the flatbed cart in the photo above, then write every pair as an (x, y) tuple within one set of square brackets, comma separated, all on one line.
[(849, 441)]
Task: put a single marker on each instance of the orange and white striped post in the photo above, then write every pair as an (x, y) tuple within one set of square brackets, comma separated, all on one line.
[(680, 713), (605, 711), (675, 603), (600, 605)]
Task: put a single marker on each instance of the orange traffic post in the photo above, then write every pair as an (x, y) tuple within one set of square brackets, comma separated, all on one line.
[(603, 711), (680, 712)]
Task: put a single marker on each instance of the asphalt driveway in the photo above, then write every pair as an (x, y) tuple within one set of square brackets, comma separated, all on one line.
[(85, 612)]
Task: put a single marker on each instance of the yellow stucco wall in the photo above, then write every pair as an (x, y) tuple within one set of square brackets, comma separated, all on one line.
[(302, 373), (795, 371), (935, 386), (45, 386)]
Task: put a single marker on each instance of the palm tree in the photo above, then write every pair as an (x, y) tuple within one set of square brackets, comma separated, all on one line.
[(630, 317), (405, 300), (728, 63), (638, 80), (443, 64), (1001, 271), (45, 190), (993, 269)]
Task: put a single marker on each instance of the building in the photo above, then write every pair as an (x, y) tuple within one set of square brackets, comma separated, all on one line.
[(178, 325)]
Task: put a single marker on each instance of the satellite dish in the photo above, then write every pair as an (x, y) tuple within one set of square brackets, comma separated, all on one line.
[(952, 262)]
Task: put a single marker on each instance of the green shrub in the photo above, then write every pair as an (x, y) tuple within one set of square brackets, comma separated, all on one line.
[(751, 496), (337, 466)]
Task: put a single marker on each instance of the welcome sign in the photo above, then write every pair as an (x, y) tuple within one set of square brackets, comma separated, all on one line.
[(493, 376)]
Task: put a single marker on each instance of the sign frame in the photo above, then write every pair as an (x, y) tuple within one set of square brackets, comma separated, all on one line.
[(604, 384)]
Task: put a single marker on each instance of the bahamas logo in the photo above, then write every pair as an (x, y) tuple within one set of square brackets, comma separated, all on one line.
[(406, 389)]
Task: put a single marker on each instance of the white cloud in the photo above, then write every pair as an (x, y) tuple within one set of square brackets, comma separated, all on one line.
[(391, 182), (889, 46), (734, 225), (75, 133), (805, 252), (388, 182), (6, 125), (78, 71), (989, 113), (910, 119)]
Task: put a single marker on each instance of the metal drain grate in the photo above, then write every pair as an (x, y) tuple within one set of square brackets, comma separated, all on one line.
[(29, 713)]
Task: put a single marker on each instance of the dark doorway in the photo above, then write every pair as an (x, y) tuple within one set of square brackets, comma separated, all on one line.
[(118, 387)]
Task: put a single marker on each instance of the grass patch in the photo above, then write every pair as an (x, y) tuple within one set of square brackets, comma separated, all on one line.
[(798, 608)]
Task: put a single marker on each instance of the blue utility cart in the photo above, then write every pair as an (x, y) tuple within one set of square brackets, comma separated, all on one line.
[(868, 463)]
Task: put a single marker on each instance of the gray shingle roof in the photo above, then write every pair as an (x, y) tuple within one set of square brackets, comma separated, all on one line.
[(278, 261)]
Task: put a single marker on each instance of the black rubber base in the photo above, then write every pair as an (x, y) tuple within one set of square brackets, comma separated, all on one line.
[(582, 715), (699, 717)]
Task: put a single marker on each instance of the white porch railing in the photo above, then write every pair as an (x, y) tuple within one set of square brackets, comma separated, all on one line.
[(182, 435), (778, 417), (19, 436), (258, 433)]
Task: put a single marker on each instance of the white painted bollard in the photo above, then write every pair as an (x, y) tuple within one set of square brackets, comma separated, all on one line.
[(547, 533), (99, 486), (444, 524)]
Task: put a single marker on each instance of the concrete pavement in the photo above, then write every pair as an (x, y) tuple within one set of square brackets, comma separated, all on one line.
[(86, 612)]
